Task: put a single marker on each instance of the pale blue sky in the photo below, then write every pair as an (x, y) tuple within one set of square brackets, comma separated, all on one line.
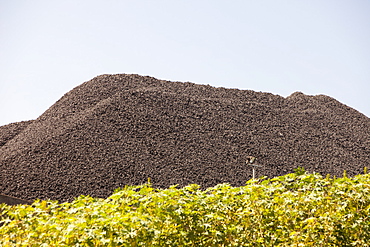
[(315, 46)]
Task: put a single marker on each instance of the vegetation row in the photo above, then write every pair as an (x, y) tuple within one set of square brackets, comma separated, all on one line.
[(298, 209)]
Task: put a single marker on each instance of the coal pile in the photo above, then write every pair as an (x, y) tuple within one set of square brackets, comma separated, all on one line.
[(123, 129)]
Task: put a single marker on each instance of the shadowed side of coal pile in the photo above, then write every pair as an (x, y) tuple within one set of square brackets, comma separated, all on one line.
[(123, 129)]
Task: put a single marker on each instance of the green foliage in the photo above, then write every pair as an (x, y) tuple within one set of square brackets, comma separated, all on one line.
[(297, 209)]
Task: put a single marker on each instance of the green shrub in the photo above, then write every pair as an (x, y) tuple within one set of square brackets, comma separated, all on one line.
[(297, 209)]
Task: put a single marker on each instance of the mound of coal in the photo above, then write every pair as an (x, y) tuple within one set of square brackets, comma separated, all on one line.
[(123, 129), (7, 132)]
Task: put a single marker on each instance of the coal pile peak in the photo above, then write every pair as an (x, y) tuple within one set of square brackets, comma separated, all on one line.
[(123, 129)]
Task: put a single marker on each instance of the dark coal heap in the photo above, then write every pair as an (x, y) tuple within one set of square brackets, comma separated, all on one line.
[(123, 129)]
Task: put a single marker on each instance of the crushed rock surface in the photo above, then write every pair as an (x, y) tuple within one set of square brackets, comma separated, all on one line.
[(122, 129)]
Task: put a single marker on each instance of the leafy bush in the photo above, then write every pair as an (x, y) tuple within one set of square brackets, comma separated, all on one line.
[(297, 209)]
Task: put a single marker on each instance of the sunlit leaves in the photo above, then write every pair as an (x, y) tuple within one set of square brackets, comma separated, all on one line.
[(297, 209)]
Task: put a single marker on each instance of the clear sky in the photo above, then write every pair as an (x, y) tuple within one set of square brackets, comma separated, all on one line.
[(313, 46)]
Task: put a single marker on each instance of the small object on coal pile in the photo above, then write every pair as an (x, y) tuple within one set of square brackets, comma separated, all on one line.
[(251, 161)]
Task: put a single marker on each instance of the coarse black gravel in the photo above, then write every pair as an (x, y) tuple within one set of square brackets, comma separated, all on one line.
[(123, 129)]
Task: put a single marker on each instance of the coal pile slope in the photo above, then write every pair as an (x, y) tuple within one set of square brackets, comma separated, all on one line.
[(9, 131), (123, 129)]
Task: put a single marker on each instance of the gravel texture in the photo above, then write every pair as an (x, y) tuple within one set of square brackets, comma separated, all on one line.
[(123, 129)]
